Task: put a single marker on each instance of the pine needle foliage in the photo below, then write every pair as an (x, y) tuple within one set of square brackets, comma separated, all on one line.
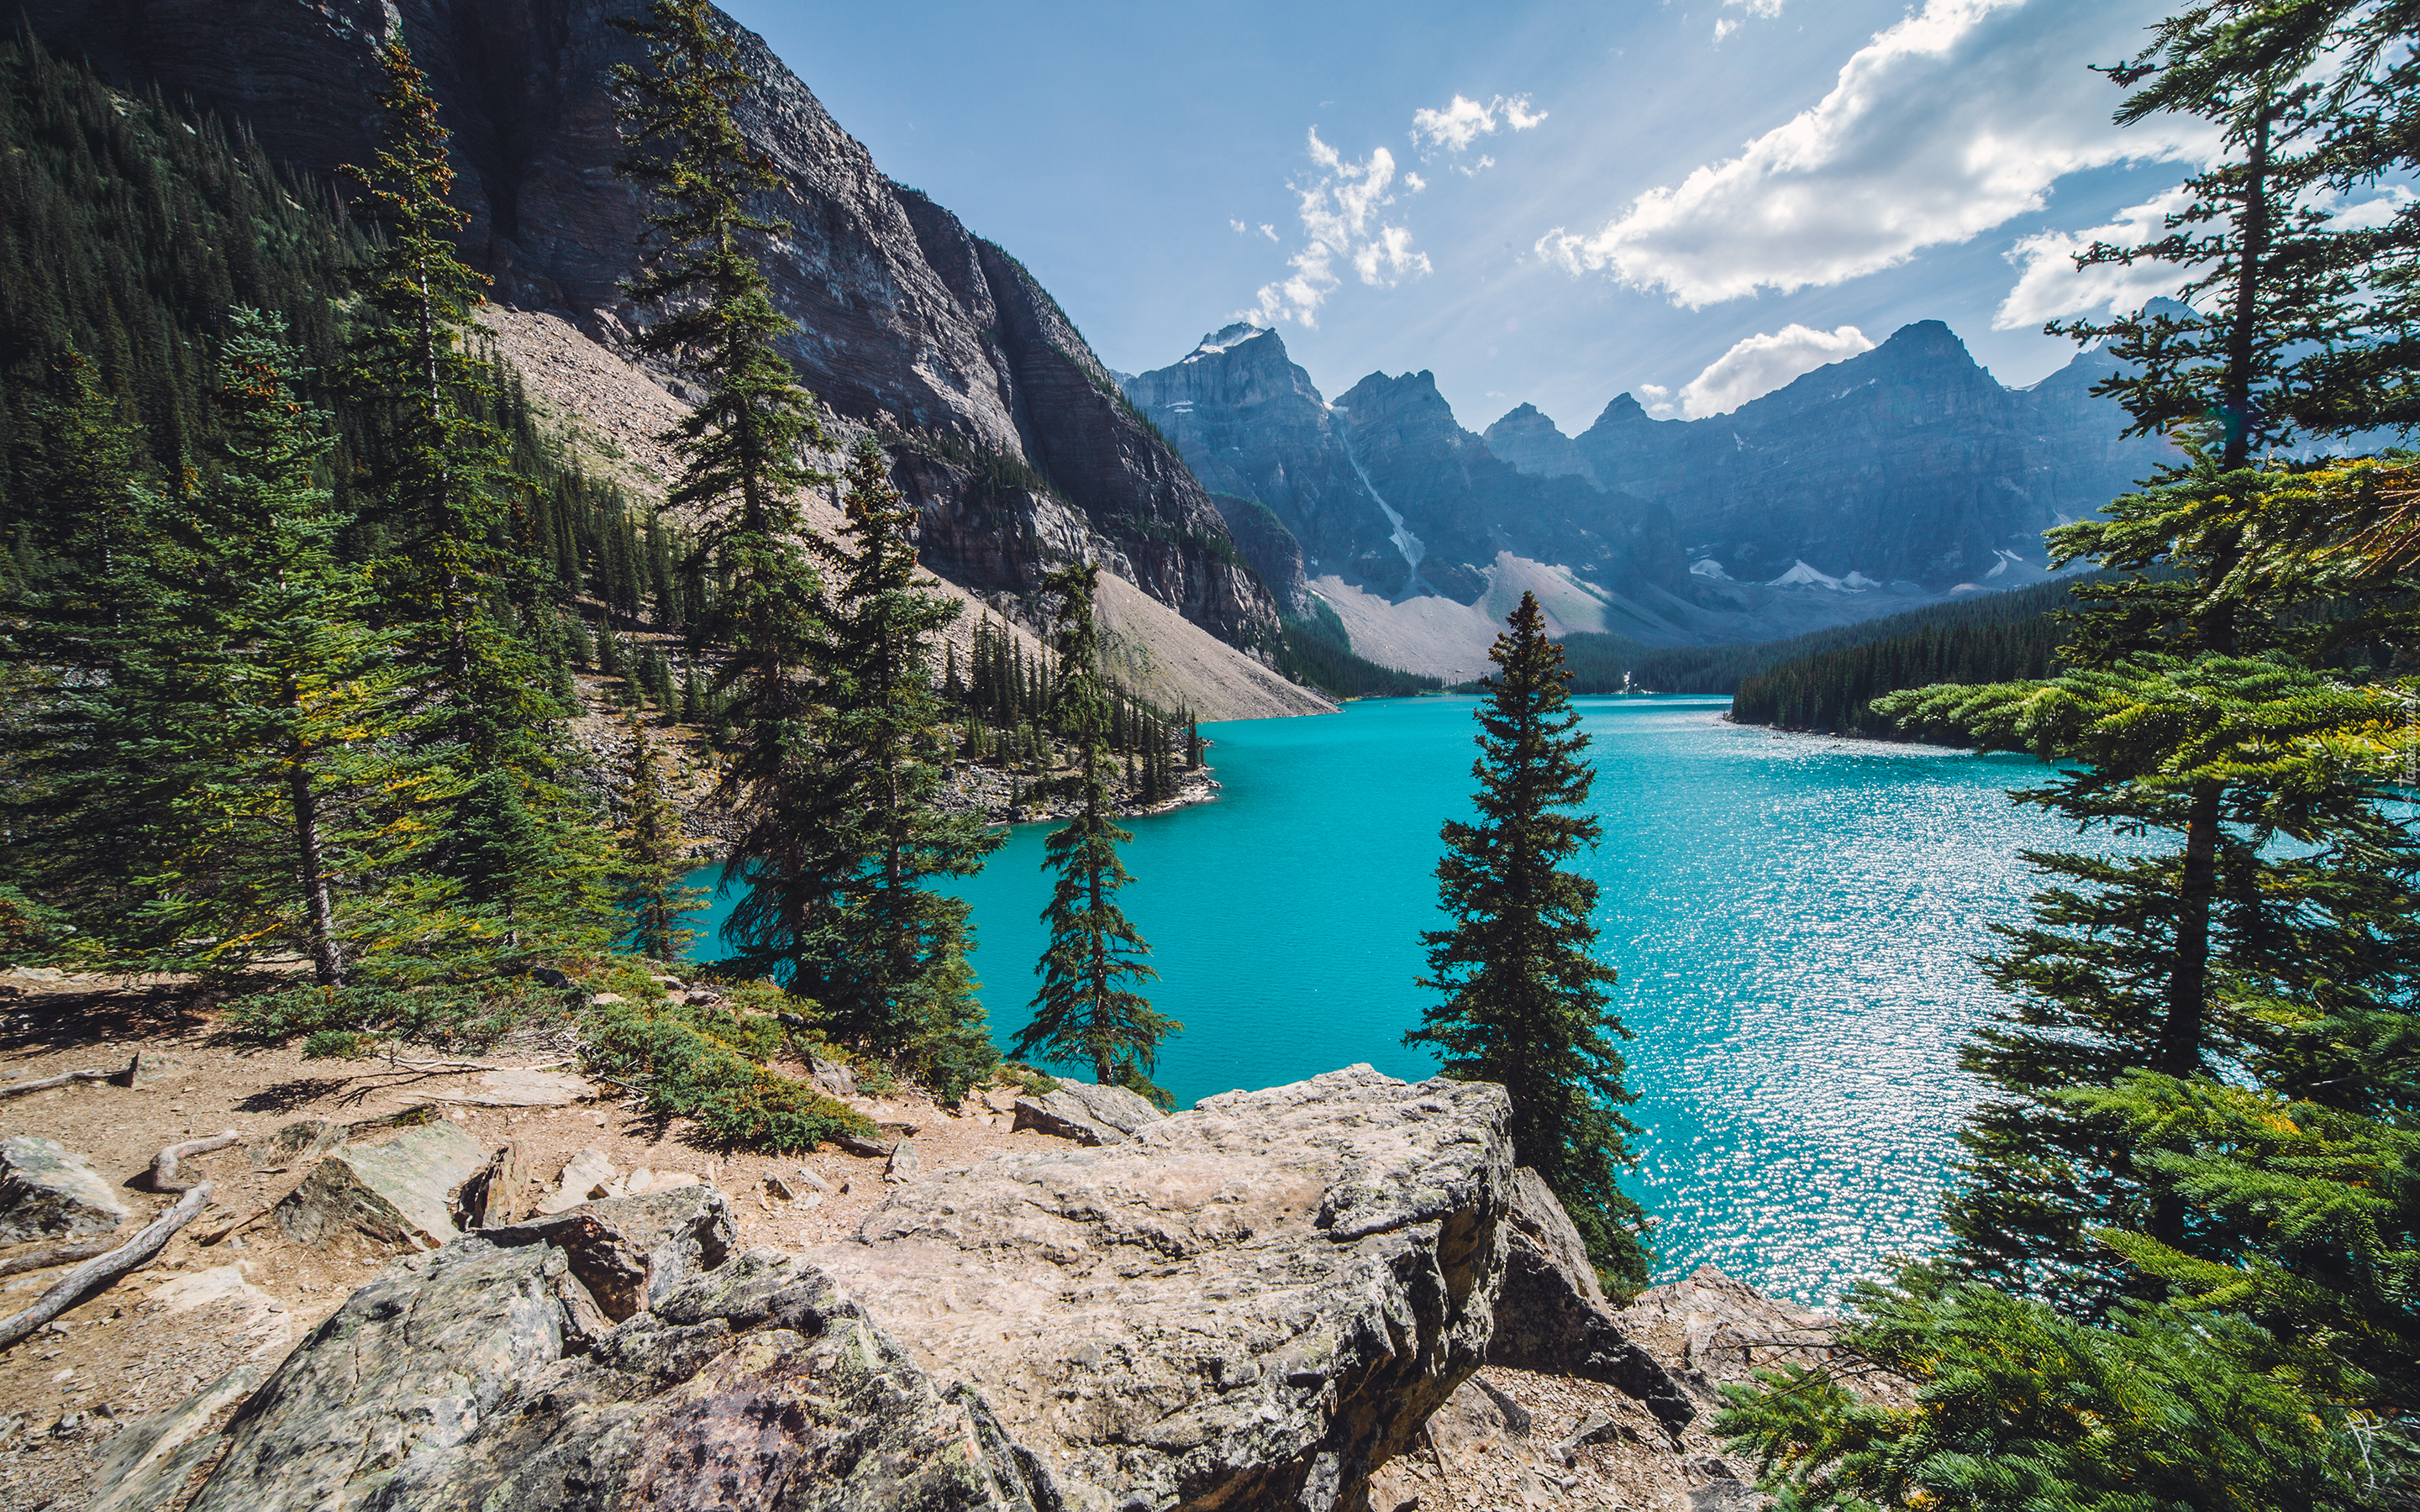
[(652, 858), (1523, 993), (743, 455), (1084, 1012), (897, 982)]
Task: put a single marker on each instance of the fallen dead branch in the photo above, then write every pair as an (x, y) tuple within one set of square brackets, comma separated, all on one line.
[(62, 1079), (215, 1236), (466, 1065), (42, 1259), (102, 1270), (164, 1165)]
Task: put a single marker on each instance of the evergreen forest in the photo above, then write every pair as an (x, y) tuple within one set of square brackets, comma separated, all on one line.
[(335, 679)]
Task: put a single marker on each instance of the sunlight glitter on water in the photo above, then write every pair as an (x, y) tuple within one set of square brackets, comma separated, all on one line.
[(1793, 918)]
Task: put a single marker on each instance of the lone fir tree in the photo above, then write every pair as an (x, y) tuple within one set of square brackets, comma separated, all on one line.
[(1084, 1010), (742, 451), (1525, 994), (896, 979)]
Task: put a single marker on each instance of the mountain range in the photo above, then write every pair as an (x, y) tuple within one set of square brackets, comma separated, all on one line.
[(1224, 487), (1900, 477)]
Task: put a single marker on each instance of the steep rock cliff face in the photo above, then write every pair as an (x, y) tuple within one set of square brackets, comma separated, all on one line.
[(908, 323), (1907, 462)]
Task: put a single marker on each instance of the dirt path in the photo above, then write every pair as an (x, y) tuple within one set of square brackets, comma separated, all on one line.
[(152, 1339)]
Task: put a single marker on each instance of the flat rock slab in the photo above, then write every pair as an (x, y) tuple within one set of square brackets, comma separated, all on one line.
[(523, 1090), (47, 1191), (396, 1195), (1246, 1305)]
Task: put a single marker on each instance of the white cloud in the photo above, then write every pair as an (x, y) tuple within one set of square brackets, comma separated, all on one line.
[(2051, 287), (1464, 121), (1415, 182), (1725, 26), (1658, 400), (1340, 205), (1761, 363), (1950, 122), (1240, 226), (1270, 231)]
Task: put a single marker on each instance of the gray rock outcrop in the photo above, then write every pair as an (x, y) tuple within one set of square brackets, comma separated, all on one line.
[(1250, 1304), (1552, 1316), (48, 1191), (396, 1195), (1088, 1113)]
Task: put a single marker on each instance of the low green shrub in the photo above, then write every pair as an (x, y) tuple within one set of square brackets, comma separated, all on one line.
[(357, 1021), (1029, 1081), (706, 1062)]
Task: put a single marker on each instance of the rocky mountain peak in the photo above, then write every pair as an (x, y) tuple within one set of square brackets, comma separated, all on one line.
[(1526, 437), (1226, 338)]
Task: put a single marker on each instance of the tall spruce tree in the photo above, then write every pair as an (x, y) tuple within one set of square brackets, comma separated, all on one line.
[(1083, 1011), (1524, 992), (2209, 1193), (255, 697), (897, 980), (743, 455), (439, 470), (2180, 647), (652, 860)]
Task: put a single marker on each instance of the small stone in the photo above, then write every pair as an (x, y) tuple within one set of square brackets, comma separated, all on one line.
[(813, 1179)]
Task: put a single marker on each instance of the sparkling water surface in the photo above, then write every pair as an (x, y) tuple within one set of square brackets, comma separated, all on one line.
[(1795, 920)]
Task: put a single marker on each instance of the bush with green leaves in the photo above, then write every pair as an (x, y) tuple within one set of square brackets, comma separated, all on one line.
[(706, 1062)]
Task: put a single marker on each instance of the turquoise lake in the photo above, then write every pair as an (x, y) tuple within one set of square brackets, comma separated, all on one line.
[(1795, 920)]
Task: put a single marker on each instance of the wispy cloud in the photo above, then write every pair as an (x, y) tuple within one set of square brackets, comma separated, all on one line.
[(1947, 124), (1464, 121), (1761, 363), (2051, 286), (1341, 203)]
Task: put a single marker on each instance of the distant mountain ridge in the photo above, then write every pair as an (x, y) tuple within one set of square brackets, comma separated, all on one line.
[(1908, 462), (1900, 477)]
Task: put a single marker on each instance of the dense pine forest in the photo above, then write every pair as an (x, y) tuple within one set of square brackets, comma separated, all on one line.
[(307, 620), (2016, 636), (1597, 662)]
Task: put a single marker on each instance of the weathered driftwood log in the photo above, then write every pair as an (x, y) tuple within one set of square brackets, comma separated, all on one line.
[(42, 1259), (163, 1175), (102, 1270)]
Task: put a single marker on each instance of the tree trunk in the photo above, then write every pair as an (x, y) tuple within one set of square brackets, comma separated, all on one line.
[(2181, 1034), (327, 959)]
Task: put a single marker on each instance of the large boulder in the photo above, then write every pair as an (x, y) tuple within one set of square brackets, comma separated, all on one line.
[(458, 1379), (47, 1191), (1088, 1113), (398, 1195), (1250, 1304), (1552, 1316)]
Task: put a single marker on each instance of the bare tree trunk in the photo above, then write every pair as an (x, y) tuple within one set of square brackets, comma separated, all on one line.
[(310, 872)]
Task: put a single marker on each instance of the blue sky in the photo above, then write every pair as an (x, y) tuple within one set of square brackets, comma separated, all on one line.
[(1552, 202)]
